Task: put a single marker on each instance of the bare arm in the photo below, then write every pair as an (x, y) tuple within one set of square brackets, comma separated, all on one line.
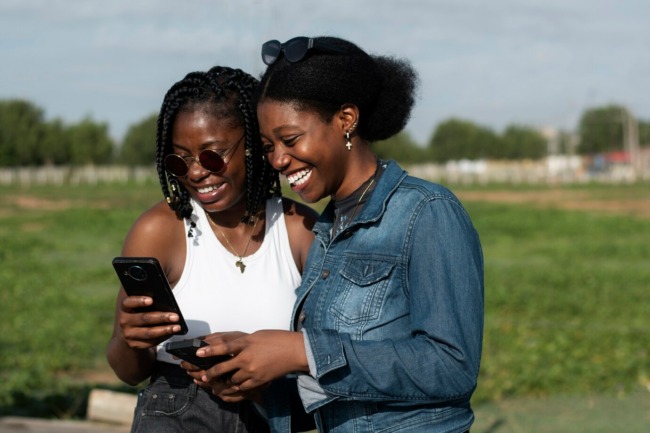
[(131, 349)]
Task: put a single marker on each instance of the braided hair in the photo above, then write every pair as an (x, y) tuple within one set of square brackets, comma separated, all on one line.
[(225, 93)]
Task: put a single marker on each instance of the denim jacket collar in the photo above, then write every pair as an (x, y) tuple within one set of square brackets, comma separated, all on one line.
[(375, 206)]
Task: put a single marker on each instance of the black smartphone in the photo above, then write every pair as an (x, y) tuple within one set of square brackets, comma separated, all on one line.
[(143, 276), (186, 350)]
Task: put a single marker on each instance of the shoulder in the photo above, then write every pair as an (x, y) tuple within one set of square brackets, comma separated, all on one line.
[(413, 197), (153, 231), (425, 189), (156, 218), (396, 181), (298, 214), (432, 203)]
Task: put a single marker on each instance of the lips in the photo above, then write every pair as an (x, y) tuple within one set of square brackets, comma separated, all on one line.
[(299, 177), (207, 189), (210, 193)]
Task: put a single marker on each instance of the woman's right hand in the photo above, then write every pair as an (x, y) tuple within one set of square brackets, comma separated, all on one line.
[(143, 330)]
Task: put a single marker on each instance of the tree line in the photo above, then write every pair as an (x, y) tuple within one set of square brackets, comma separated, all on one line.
[(27, 139)]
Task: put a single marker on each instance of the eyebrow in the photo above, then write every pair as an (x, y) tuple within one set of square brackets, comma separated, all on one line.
[(279, 128), (202, 146)]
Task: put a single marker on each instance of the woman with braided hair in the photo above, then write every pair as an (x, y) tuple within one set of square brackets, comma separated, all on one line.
[(232, 248)]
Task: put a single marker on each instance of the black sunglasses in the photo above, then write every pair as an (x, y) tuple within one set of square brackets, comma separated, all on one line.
[(209, 159), (294, 49)]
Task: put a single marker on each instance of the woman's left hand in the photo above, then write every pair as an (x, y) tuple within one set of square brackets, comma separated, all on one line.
[(221, 385)]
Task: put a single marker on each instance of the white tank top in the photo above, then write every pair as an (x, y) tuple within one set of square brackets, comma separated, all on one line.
[(215, 296)]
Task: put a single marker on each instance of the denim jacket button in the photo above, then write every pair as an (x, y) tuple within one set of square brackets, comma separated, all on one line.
[(302, 317), (325, 274)]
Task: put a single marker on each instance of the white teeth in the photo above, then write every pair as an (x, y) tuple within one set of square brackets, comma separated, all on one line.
[(299, 177), (206, 189)]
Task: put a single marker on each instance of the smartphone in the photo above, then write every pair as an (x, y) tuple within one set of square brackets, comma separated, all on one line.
[(186, 350), (143, 276)]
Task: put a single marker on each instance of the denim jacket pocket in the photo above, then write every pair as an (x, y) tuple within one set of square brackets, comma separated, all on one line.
[(361, 292)]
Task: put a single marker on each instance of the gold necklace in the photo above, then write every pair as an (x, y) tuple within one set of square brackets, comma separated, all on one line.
[(240, 262), (337, 227), (361, 198)]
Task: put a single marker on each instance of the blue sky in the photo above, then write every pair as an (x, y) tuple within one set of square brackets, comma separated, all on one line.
[(535, 62)]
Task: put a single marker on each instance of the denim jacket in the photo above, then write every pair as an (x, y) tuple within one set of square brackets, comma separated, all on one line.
[(392, 308)]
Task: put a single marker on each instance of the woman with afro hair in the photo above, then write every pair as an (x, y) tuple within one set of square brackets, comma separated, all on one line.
[(387, 328)]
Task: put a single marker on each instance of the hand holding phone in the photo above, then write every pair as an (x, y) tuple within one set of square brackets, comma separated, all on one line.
[(143, 276), (186, 350)]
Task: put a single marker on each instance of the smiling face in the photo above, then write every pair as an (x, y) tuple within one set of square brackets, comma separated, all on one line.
[(195, 131), (307, 150)]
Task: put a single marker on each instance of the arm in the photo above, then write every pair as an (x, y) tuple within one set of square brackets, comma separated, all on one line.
[(437, 359), (131, 349)]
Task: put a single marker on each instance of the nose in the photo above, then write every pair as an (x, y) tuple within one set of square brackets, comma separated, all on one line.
[(194, 168), (278, 158)]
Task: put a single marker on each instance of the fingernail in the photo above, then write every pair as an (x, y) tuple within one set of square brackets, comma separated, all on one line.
[(173, 317), (176, 328)]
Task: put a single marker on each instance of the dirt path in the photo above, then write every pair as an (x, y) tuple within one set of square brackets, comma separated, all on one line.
[(564, 199), (553, 198)]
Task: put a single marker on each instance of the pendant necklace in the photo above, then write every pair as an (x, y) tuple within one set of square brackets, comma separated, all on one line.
[(338, 225), (361, 198), (240, 262)]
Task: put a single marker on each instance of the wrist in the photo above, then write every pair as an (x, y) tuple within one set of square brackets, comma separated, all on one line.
[(303, 354)]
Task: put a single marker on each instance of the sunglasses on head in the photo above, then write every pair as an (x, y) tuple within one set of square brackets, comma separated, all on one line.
[(209, 159), (294, 49)]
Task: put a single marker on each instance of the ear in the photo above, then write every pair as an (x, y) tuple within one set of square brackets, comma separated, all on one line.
[(348, 117)]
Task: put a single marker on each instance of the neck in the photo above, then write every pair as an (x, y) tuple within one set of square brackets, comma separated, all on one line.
[(227, 218), (358, 172)]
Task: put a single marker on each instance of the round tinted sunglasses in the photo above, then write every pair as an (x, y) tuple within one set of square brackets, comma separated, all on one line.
[(209, 159), (294, 49)]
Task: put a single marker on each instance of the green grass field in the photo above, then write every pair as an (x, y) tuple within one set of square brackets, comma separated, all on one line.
[(567, 300)]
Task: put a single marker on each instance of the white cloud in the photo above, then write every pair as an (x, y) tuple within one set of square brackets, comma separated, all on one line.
[(535, 61)]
